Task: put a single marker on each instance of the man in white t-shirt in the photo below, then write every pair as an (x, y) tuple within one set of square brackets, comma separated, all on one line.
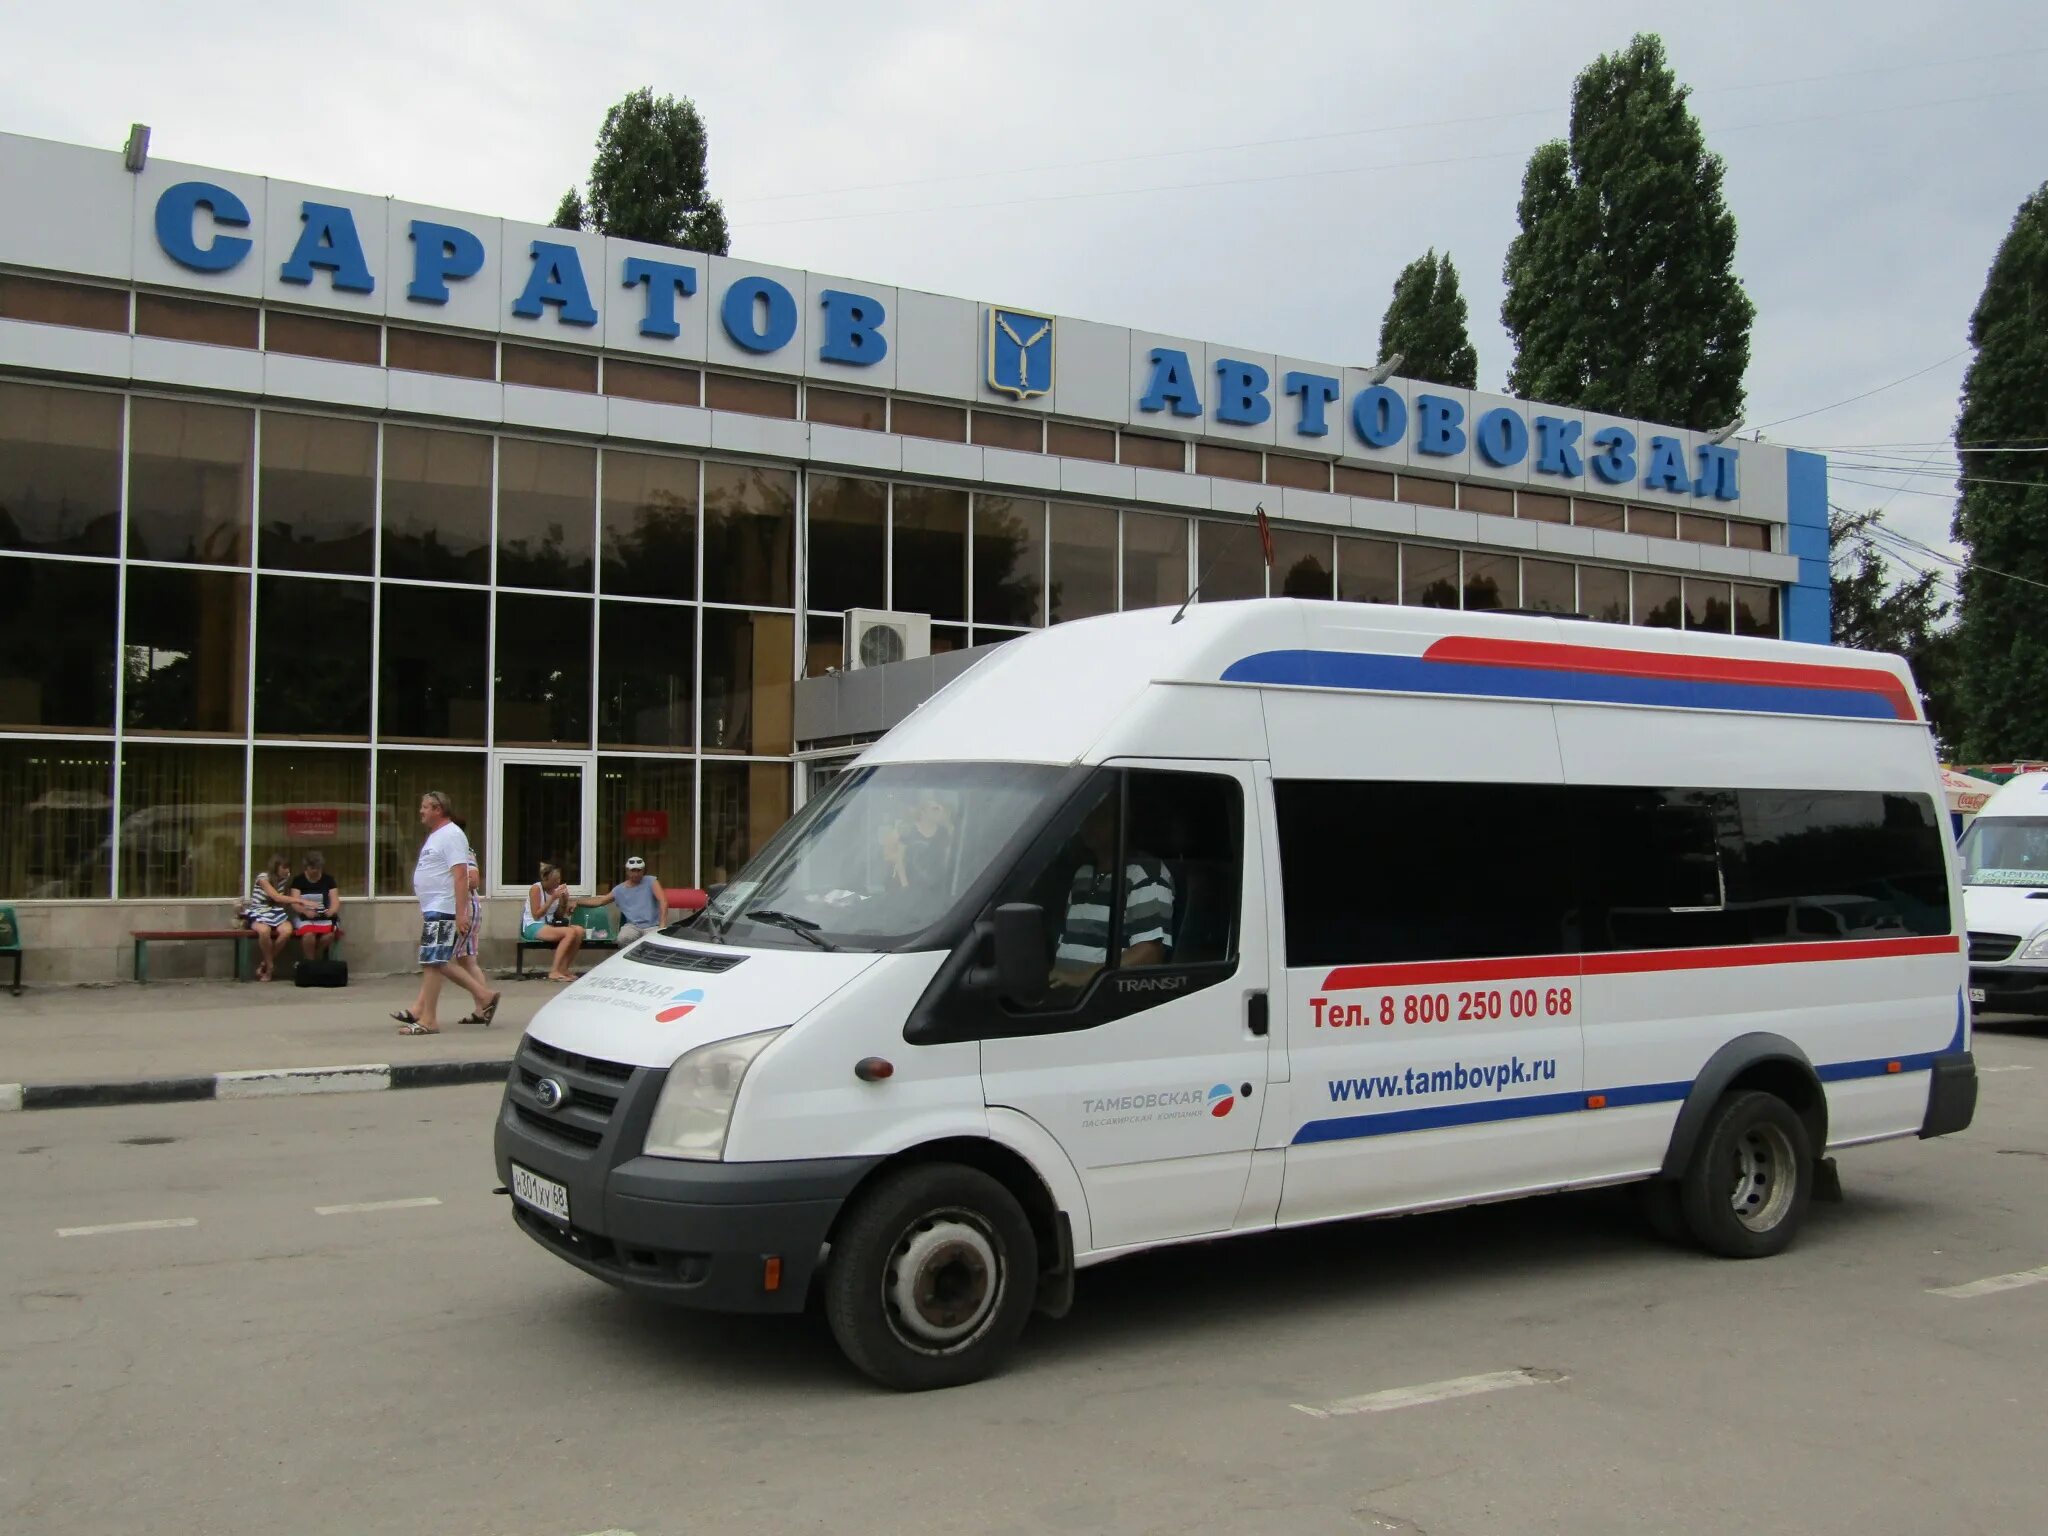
[(441, 882)]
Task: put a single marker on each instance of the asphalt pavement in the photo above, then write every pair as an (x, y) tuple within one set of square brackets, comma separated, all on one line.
[(313, 1315)]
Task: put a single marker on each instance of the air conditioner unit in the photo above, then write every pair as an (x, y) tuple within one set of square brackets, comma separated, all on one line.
[(875, 637)]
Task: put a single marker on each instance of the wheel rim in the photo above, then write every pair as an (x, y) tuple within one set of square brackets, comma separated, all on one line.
[(944, 1281), (1765, 1177)]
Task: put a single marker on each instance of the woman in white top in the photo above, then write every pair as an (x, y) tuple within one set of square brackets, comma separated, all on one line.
[(549, 916)]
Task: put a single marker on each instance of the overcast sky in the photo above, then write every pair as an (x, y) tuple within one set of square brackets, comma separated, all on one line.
[(1254, 174)]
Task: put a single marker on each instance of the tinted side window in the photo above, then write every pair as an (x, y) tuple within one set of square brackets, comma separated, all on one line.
[(1375, 872), (1652, 866), (1814, 864)]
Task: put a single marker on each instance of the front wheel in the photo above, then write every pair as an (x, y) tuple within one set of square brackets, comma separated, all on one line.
[(1746, 1190), (931, 1278)]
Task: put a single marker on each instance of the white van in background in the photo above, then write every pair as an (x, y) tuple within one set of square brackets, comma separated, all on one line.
[(1149, 930), (2005, 894)]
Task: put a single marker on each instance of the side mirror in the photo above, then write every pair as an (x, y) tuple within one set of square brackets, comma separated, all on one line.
[(1021, 963)]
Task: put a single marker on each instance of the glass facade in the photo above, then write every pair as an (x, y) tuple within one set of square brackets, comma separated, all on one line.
[(228, 632)]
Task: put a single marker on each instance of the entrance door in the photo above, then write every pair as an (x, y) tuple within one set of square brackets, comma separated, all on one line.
[(547, 813), (1148, 1058)]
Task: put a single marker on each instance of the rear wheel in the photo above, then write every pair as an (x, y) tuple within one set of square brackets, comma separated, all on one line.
[(1751, 1177), (931, 1278)]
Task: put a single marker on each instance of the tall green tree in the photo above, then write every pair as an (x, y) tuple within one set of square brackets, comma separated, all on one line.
[(1876, 608), (2002, 513), (1425, 323), (648, 180), (1621, 289)]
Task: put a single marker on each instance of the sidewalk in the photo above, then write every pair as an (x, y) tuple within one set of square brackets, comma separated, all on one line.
[(182, 1030)]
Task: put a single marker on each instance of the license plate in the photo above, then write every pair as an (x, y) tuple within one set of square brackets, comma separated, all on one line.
[(1976, 994), (544, 1195)]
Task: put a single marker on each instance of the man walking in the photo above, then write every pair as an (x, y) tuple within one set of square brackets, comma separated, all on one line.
[(441, 881), (642, 903)]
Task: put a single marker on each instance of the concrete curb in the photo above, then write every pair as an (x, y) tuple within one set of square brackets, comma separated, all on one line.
[(262, 1083)]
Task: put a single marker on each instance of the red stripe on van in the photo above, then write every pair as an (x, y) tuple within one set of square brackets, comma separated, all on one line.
[(1423, 973), (1548, 655)]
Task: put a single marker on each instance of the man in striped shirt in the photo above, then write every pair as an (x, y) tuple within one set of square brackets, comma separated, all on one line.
[(1083, 947)]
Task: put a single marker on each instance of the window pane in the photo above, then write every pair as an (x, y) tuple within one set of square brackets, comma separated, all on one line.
[(1597, 514), (1650, 867), (1227, 463), (918, 418), (547, 493), (751, 397), (56, 646), (402, 777), (437, 505), (1152, 452), (1536, 507), (188, 482), (1743, 535), (462, 357), (824, 646), (844, 408), (1816, 864), (1301, 474), (1301, 563), (1429, 493), (1756, 611), (312, 658), (651, 381), (749, 534), (749, 662), (543, 693), (650, 525), (1655, 522), (849, 544), (930, 552), (1707, 605), (341, 341), (1701, 529), (318, 493), (181, 822), (186, 651), (310, 801), (1429, 577), (1231, 562), (430, 664), (1492, 581), (948, 637), (56, 820), (541, 822), (1347, 481), (220, 325), (1547, 587), (744, 803), (1368, 571), (1083, 563), (1491, 499), (75, 304), (1078, 442), (60, 470), (1603, 594), (1155, 560), (1657, 601), (548, 368), (1009, 561), (646, 674), (646, 807), (1025, 434)]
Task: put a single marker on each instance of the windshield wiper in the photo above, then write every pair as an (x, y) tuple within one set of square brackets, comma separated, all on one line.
[(802, 927)]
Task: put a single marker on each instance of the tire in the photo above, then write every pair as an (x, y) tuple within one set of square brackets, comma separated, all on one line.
[(1746, 1190), (932, 1277)]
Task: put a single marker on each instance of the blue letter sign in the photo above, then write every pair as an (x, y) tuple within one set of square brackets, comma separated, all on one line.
[(1317, 390), (1241, 392), (1172, 386), (557, 279), (664, 280), (853, 329), (329, 240), (742, 302), (441, 252), (174, 217)]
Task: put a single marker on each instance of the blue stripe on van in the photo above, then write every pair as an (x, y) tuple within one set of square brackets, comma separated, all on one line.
[(1417, 674)]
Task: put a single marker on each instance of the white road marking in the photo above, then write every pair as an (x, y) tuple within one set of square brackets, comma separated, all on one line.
[(1431, 1392), (129, 1226), (2005, 1069), (1995, 1283), (375, 1205)]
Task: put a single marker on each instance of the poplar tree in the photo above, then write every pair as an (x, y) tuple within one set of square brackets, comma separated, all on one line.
[(2002, 513), (648, 180), (1425, 323), (1621, 290)]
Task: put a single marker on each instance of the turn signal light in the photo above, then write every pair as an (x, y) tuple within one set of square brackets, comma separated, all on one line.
[(771, 1273), (1596, 1101), (872, 1069), (1894, 1066)]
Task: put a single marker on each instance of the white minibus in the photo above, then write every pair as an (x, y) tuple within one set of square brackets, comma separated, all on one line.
[(2005, 897), (1151, 930)]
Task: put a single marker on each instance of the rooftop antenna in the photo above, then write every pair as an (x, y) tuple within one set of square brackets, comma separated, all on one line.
[(1723, 434), (1265, 547), (1379, 373)]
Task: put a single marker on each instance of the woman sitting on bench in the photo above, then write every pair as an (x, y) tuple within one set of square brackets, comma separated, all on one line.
[(269, 915), (548, 917)]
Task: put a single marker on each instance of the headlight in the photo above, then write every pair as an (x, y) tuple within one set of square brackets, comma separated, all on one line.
[(2038, 950), (695, 1108)]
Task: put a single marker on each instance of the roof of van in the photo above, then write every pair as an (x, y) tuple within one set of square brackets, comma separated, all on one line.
[(1051, 695), (2026, 795)]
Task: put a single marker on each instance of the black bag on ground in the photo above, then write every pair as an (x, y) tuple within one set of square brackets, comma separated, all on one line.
[(321, 973)]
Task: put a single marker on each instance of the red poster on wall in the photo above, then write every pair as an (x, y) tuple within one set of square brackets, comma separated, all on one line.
[(649, 826), (310, 824)]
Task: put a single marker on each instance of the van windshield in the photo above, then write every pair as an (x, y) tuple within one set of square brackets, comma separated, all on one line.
[(881, 855), (2006, 850)]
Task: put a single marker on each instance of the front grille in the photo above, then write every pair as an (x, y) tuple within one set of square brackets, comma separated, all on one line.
[(1993, 947), (668, 958), (592, 1091), (603, 1103), (596, 1066), (552, 1125)]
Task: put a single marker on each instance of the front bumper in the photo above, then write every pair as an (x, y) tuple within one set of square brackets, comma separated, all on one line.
[(2010, 989), (692, 1234)]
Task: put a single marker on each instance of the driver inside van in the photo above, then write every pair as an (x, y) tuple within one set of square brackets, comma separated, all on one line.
[(1083, 947)]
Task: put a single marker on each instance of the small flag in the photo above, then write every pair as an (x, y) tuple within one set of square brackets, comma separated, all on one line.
[(1265, 536)]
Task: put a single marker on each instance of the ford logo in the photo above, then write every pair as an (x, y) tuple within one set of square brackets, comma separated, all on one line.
[(551, 1093)]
